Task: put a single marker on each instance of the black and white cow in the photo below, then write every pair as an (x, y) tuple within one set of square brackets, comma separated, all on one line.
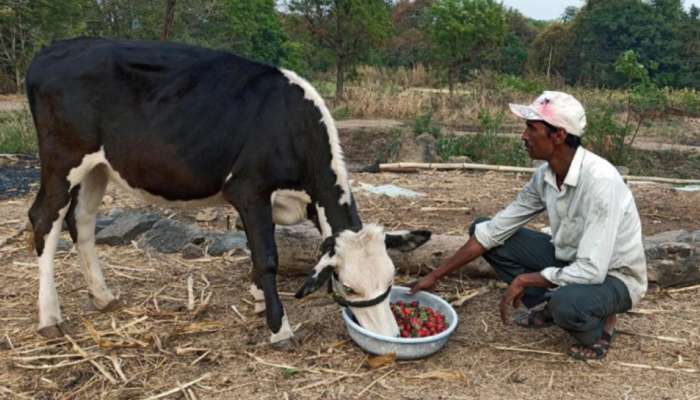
[(183, 125)]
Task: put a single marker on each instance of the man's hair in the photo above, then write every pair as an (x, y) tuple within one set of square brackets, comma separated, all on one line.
[(572, 141)]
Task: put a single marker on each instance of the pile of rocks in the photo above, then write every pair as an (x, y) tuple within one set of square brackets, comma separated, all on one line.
[(165, 235), (673, 258)]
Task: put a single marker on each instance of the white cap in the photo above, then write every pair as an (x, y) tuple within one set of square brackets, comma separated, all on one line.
[(558, 109)]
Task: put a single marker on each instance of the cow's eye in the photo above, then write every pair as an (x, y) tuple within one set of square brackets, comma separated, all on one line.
[(348, 290)]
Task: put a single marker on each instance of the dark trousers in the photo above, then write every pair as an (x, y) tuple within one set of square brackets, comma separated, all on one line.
[(581, 310)]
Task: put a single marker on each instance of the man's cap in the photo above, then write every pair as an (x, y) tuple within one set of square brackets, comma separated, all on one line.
[(558, 109)]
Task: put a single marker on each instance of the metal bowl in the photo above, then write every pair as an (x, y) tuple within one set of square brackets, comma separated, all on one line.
[(405, 348)]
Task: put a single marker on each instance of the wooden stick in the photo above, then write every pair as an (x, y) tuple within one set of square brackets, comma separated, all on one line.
[(97, 365), (357, 396), (118, 367), (516, 349), (468, 296), (321, 383), (56, 366), (190, 293), (238, 313), (662, 338), (4, 389), (413, 167), (179, 388), (200, 358), (659, 368), (435, 209), (685, 289)]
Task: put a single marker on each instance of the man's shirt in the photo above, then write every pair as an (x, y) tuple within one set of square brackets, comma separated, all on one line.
[(594, 220)]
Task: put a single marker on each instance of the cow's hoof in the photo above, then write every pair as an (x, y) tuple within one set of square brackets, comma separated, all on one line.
[(53, 331), (285, 345), (113, 305)]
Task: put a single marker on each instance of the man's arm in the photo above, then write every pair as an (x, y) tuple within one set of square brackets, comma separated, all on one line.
[(490, 234), (466, 254)]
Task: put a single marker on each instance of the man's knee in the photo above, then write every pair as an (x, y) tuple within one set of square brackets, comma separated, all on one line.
[(476, 222), (565, 306)]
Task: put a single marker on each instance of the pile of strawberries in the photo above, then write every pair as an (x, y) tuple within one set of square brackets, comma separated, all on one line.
[(417, 321)]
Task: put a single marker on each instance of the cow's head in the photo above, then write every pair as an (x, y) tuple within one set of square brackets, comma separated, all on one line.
[(362, 273)]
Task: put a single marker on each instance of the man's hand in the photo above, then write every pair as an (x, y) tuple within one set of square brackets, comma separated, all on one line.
[(512, 297), (516, 291), (425, 283)]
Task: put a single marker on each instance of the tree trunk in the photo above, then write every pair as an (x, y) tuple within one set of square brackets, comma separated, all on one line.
[(340, 80), (450, 79), (298, 248), (168, 21)]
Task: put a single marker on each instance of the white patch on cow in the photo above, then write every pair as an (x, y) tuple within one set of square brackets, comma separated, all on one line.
[(90, 161), (337, 163), (326, 229), (289, 206), (325, 261), (403, 234), (259, 297), (49, 307), (364, 266), (284, 333), (92, 189)]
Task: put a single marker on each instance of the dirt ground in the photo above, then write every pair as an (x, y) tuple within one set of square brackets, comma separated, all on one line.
[(154, 344)]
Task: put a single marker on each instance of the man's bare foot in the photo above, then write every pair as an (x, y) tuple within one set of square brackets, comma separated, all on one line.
[(600, 348)]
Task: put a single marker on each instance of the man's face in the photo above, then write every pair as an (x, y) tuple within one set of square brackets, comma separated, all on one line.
[(539, 142)]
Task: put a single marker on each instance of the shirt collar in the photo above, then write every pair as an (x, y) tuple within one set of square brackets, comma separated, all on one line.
[(572, 176)]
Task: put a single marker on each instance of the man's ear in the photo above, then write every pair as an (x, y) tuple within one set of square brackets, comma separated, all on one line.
[(405, 241), (319, 276)]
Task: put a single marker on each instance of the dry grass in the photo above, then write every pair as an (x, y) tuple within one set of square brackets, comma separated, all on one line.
[(406, 94), (155, 345)]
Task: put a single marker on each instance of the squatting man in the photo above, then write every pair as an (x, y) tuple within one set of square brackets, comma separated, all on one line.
[(592, 267)]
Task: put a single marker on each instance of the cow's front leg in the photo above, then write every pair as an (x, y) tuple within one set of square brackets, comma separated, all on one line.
[(260, 231)]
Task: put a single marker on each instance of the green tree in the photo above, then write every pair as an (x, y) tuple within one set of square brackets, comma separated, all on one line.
[(256, 31), (347, 28), (465, 32), (552, 52), (26, 26), (518, 38), (409, 45)]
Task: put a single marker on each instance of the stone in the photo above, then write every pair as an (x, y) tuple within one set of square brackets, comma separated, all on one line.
[(460, 160), (220, 243), (675, 272), (169, 236), (64, 245), (669, 236), (192, 251), (656, 251), (125, 228), (690, 237)]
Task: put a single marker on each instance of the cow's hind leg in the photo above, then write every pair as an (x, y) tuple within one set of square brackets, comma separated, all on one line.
[(82, 215), (256, 213), (46, 215)]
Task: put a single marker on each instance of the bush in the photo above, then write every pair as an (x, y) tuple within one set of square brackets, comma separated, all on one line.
[(425, 124), (486, 146), (17, 134), (519, 84), (605, 136)]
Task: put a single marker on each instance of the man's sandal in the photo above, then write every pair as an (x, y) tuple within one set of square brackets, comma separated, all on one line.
[(597, 351), (533, 319)]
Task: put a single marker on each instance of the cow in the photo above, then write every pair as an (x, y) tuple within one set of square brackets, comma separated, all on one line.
[(185, 125)]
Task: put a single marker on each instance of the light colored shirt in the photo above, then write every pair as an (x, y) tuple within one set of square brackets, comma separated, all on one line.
[(594, 221)]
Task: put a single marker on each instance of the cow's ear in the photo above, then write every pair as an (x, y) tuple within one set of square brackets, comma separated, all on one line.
[(405, 241), (319, 276)]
